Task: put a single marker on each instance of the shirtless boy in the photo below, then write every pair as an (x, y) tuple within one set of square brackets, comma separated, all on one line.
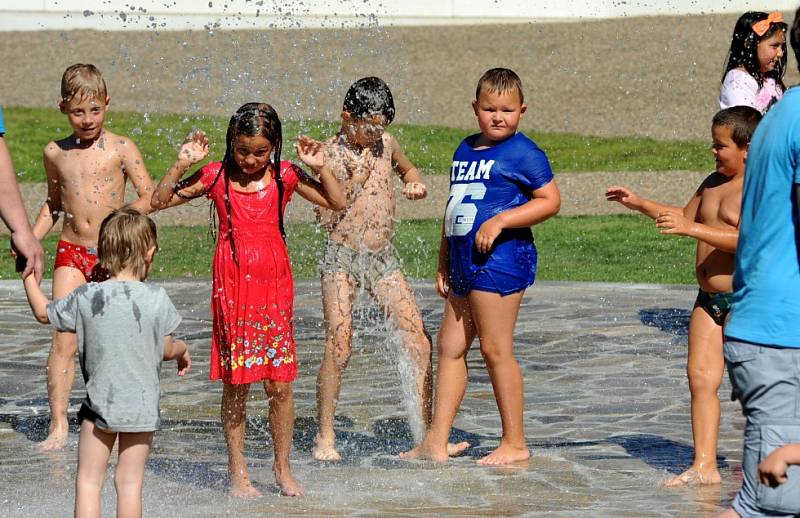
[(359, 251), (712, 218), (86, 176)]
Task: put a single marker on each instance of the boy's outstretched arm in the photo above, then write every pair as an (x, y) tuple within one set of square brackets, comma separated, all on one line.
[(170, 191), (546, 202), (133, 165), (772, 470), (177, 350), (326, 192), (414, 188), (36, 298), (633, 201)]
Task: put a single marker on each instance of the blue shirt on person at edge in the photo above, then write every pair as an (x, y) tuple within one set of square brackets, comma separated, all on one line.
[(766, 279)]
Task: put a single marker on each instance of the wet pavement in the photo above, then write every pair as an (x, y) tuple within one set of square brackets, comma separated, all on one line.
[(606, 417)]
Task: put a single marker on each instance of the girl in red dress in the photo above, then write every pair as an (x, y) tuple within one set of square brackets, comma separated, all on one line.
[(252, 296)]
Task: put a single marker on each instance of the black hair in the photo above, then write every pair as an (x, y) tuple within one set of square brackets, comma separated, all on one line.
[(744, 48), (252, 119), (794, 36), (367, 97), (742, 120)]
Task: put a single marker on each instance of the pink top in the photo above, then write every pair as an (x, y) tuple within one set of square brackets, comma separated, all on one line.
[(741, 89)]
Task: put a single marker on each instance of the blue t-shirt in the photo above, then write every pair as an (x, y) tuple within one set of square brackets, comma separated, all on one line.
[(766, 280), (2, 125), (484, 183)]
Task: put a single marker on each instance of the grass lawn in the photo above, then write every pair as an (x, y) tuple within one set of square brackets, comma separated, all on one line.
[(622, 248), (429, 147)]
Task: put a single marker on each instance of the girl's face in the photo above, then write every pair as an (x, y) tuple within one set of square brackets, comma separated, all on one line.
[(252, 154), (498, 113), (770, 51)]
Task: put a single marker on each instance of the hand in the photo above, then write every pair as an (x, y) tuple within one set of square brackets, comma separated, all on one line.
[(484, 238), (26, 244), (442, 283), (194, 148), (624, 196), (772, 470), (671, 222), (415, 190), (310, 152), (184, 361)]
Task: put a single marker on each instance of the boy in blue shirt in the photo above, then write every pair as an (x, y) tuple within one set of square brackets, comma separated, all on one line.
[(762, 335), (500, 185)]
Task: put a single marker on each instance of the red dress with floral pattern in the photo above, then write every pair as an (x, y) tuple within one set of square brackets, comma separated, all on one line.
[(252, 298)]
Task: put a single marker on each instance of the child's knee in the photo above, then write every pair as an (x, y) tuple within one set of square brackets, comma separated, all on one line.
[(65, 344), (495, 352), (278, 390)]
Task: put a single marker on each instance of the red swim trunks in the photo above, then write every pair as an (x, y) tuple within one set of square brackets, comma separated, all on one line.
[(81, 258)]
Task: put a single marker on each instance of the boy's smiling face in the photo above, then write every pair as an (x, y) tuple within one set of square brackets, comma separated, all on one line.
[(498, 113), (728, 156), (86, 116)]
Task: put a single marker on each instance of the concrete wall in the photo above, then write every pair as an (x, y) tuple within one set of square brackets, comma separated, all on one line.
[(243, 14)]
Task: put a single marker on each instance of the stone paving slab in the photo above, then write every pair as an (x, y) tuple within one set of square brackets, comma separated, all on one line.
[(606, 417)]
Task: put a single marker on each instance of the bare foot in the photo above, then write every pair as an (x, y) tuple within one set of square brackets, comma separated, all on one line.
[(695, 476), (56, 440), (288, 484), (505, 454), (454, 450), (244, 489), (426, 451), (324, 450)]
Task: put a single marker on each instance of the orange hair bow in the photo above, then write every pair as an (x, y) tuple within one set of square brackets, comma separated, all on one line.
[(762, 27)]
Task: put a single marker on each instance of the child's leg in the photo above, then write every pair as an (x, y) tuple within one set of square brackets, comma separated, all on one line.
[(281, 426), (234, 404), (94, 449), (61, 364), (338, 293), (455, 337), (704, 368), (396, 300), (133, 451), (495, 317)]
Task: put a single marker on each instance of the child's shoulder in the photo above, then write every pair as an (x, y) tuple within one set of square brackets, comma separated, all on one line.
[(737, 76), (716, 180)]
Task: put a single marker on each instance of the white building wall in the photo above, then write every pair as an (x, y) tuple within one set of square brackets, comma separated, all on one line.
[(185, 14)]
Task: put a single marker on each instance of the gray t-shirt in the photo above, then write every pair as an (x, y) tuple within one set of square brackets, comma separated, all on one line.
[(121, 327)]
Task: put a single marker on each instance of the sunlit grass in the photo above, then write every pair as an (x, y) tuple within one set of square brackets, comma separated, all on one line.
[(429, 147), (622, 248)]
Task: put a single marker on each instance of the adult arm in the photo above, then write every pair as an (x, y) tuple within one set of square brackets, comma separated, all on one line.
[(12, 211)]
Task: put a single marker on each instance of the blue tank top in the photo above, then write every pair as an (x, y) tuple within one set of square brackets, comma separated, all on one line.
[(484, 183)]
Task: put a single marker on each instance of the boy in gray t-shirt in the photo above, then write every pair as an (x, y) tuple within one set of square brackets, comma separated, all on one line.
[(124, 329)]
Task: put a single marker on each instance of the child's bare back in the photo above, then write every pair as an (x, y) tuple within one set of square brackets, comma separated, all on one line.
[(87, 182)]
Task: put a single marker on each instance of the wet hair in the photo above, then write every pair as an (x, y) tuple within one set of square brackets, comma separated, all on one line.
[(794, 37), (744, 48), (500, 80), (252, 119), (742, 120), (83, 82), (367, 97), (125, 237)]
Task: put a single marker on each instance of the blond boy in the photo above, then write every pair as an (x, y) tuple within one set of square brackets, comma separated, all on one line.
[(86, 177), (712, 218)]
